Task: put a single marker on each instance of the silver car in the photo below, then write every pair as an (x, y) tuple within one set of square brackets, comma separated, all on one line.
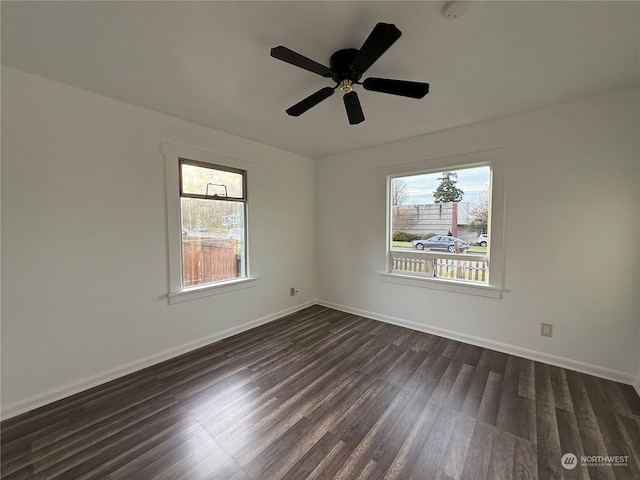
[(441, 243)]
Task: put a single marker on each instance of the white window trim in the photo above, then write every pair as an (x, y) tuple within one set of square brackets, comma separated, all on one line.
[(177, 293), (496, 158)]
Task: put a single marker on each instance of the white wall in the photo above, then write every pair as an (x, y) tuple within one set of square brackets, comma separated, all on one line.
[(84, 259), (84, 241), (572, 234)]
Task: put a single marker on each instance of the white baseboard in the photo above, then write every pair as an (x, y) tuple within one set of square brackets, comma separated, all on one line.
[(53, 395), (22, 406), (598, 371)]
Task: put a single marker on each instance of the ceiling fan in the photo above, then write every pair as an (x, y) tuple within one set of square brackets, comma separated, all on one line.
[(346, 69)]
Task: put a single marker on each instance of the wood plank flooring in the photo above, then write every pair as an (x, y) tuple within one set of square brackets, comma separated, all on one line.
[(322, 394)]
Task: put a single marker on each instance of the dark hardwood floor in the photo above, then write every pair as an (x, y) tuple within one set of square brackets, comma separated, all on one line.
[(322, 394)]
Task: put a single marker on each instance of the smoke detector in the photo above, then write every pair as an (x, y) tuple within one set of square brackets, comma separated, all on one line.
[(455, 9)]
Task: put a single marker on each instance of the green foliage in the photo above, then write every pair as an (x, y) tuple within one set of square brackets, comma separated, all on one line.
[(427, 236), (447, 190), (404, 237), (409, 237)]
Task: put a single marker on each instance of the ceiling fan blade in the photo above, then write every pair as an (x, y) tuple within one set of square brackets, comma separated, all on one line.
[(396, 87), (289, 56), (354, 110), (380, 39), (311, 101)]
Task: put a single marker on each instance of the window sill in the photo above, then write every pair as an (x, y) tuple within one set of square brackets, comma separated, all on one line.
[(441, 284), (194, 293)]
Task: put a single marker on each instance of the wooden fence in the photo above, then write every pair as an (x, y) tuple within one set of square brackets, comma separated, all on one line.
[(206, 260), (458, 269)]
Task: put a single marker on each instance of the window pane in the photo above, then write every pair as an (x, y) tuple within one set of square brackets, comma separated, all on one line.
[(197, 180), (213, 241), (449, 206), (442, 212)]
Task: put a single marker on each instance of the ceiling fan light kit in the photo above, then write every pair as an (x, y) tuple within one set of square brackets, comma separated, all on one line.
[(346, 68)]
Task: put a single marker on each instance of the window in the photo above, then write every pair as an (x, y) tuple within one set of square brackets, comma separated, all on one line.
[(207, 221), (435, 213), (212, 199)]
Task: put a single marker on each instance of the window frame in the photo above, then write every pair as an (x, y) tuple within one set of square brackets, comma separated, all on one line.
[(174, 155), (496, 160)]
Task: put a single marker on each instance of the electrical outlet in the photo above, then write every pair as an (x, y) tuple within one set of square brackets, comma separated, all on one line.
[(546, 330), (293, 292)]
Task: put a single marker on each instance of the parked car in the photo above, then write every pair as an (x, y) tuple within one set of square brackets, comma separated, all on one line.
[(483, 240), (442, 243)]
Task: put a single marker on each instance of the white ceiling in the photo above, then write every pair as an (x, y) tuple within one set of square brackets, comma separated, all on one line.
[(208, 62)]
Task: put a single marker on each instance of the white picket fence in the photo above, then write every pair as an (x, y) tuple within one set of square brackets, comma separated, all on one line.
[(467, 269)]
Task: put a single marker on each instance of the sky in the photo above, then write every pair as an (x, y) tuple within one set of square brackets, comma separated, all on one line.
[(473, 181)]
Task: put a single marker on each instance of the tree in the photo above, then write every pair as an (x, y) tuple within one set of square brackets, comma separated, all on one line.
[(399, 192), (447, 190), (401, 216), (479, 213)]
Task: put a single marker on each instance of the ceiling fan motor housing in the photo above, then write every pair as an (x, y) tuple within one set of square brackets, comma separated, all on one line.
[(341, 68)]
